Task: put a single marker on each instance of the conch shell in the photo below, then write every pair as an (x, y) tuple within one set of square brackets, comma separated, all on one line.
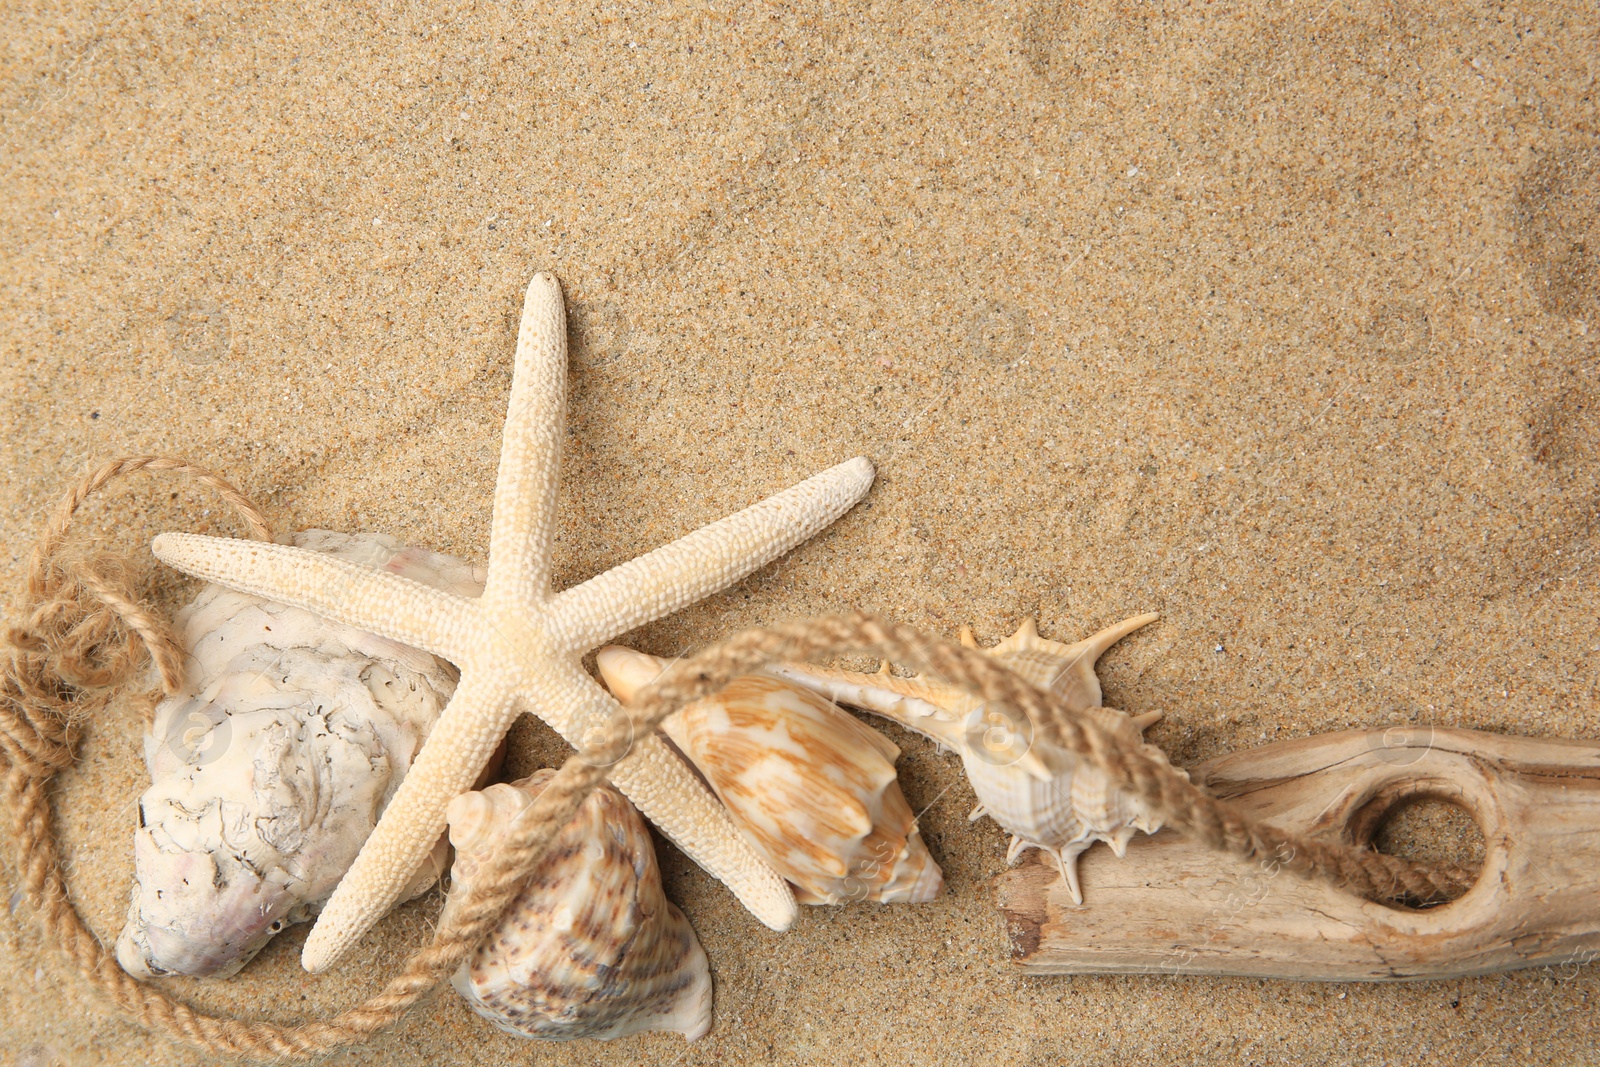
[(811, 787), (591, 946), (270, 771), (1062, 811)]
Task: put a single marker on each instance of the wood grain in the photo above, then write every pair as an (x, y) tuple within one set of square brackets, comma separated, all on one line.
[(1175, 907)]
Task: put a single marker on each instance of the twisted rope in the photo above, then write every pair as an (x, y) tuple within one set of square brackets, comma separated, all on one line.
[(84, 634)]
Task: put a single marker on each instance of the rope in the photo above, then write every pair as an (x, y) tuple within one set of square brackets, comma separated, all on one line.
[(84, 634)]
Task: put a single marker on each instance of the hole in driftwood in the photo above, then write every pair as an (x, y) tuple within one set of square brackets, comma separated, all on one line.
[(1415, 821)]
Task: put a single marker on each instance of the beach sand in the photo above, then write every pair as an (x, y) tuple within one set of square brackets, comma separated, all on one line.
[(1281, 322)]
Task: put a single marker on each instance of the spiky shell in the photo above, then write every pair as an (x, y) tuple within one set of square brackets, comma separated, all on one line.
[(811, 787), (271, 769), (591, 946), (1058, 804)]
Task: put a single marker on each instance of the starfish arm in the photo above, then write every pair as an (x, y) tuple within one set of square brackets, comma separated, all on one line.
[(530, 453), (456, 750), (351, 593), (662, 786), (713, 557)]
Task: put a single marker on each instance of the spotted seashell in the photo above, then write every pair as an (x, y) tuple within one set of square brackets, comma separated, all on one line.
[(270, 770), (1060, 805), (811, 787), (591, 946)]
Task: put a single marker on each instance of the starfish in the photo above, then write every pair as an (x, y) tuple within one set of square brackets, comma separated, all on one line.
[(519, 645)]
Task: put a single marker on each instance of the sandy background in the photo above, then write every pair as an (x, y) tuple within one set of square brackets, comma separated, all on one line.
[(1280, 322)]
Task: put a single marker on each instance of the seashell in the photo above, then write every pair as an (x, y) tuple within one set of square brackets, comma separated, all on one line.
[(271, 770), (591, 946), (1061, 811), (812, 788)]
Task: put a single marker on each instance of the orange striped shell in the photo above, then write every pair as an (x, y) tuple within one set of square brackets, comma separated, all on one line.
[(810, 786)]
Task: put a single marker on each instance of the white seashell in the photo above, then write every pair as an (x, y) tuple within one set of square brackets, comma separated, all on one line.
[(1064, 811), (270, 772), (810, 787), (591, 946)]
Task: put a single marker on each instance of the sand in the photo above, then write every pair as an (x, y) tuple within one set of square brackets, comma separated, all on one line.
[(1280, 322)]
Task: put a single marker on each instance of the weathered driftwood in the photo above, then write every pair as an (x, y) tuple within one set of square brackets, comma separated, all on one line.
[(1175, 907)]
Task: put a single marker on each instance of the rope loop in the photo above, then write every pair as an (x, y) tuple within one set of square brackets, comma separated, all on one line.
[(83, 634)]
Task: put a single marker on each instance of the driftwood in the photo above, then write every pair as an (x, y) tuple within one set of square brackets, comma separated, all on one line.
[(1175, 907)]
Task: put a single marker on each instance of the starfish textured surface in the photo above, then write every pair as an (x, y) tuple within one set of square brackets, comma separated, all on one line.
[(519, 645)]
